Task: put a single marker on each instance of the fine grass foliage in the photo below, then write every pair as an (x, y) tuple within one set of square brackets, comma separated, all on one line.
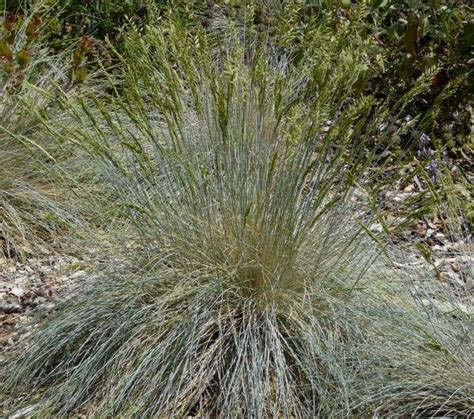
[(30, 212), (42, 181), (255, 292)]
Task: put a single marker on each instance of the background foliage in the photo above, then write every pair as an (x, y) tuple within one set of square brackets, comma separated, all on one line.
[(406, 39)]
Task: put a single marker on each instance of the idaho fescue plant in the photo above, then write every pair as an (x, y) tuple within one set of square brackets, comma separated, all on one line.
[(30, 209), (41, 179), (255, 293)]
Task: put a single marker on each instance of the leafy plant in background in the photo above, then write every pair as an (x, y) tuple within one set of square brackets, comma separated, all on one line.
[(47, 27), (15, 54), (417, 36)]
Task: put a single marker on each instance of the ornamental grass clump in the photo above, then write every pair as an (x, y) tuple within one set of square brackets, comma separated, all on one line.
[(30, 211), (253, 290), (417, 357), (43, 182)]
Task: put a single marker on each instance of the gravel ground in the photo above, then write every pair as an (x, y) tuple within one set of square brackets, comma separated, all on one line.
[(32, 286)]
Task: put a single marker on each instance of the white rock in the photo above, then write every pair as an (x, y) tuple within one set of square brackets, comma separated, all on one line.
[(17, 291), (77, 274), (376, 228)]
